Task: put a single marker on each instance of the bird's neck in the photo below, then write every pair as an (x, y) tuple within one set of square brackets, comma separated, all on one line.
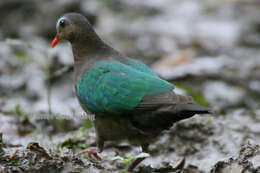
[(87, 50), (86, 46)]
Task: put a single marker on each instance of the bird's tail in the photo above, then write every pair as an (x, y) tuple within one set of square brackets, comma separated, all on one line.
[(163, 117), (182, 111), (192, 108)]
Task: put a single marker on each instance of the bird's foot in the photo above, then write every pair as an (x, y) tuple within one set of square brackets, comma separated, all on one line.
[(132, 166), (92, 153)]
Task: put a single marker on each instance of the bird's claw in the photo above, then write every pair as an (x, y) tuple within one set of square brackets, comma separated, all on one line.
[(92, 153)]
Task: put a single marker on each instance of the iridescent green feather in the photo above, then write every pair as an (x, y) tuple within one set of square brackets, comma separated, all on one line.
[(111, 87), (138, 65)]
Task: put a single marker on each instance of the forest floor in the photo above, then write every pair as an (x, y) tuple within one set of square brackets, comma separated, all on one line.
[(208, 49)]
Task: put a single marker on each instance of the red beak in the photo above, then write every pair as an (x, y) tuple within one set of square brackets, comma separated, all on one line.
[(55, 41)]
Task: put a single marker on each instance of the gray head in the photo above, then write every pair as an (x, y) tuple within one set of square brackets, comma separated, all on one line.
[(74, 27)]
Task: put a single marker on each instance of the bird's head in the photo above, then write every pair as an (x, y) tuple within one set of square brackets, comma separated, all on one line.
[(71, 26)]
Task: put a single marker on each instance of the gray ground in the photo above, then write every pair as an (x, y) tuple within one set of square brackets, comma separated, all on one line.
[(208, 49)]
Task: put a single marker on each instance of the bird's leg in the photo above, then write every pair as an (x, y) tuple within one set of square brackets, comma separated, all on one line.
[(138, 160), (93, 151)]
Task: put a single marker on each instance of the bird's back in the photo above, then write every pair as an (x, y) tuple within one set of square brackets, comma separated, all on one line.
[(112, 87)]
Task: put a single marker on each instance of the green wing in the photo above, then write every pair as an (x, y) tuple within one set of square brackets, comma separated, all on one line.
[(138, 65), (111, 87)]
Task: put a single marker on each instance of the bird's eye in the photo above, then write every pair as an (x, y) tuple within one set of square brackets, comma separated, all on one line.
[(62, 23)]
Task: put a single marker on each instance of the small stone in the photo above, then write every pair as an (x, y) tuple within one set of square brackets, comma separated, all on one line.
[(222, 95), (234, 168)]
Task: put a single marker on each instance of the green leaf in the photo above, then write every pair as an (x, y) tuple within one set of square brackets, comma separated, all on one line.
[(88, 124), (142, 155), (115, 158), (128, 159), (198, 97), (23, 57), (17, 110), (184, 87)]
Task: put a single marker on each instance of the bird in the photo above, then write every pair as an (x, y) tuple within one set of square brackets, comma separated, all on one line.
[(130, 102)]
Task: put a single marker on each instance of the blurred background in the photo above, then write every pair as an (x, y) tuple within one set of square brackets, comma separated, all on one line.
[(209, 49)]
